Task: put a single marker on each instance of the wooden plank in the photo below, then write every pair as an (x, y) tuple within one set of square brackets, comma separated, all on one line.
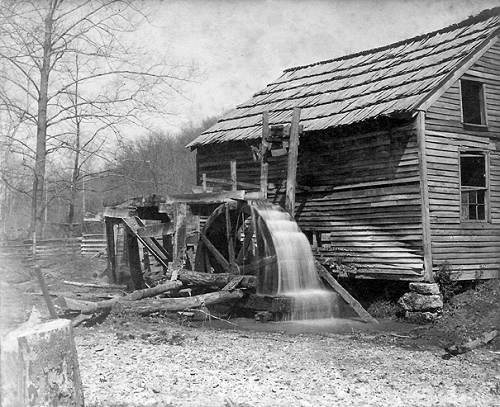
[(181, 213), (218, 256), (45, 292), (111, 249), (230, 240), (156, 230), (235, 281), (204, 181), (201, 198), (134, 261), (356, 306), (293, 154), (119, 212), (224, 181), (424, 188), (264, 166), (234, 181)]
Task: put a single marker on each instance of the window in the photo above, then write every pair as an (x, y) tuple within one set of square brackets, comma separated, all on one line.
[(473, 111), (473, 185)]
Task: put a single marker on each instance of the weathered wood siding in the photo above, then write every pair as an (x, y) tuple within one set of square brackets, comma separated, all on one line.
[(364, 200), (358, 194), (214, 161), (471, 248)]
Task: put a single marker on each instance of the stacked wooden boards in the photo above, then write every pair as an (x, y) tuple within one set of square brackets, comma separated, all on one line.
[(471, 248)]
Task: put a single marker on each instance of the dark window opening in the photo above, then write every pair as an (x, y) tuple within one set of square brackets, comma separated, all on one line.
[(472, 102), (473, 185)]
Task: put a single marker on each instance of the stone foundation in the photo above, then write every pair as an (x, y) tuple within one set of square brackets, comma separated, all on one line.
[(423, 304)]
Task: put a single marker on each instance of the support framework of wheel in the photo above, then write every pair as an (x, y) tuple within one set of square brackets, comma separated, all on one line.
[(236, 239)]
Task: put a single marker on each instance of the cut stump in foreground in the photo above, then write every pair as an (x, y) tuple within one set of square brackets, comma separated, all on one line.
[(39, 366)]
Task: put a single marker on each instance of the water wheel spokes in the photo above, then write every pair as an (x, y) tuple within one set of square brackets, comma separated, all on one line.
[(236, 239)]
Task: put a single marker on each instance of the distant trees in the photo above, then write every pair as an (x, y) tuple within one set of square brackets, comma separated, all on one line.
[(70, 81), (158, 163)]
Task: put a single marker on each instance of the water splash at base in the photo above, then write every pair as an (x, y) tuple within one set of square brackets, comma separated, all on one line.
[(297, 276)]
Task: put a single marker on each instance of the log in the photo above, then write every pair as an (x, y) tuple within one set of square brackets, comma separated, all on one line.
[(94, 285), (45, 292), (149, 306), (472, 344), (39, 366), (348, 298), (89, 307), (218, 280)]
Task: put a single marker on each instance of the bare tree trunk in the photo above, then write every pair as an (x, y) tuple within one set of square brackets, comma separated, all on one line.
[(41, 131), (76, 164)]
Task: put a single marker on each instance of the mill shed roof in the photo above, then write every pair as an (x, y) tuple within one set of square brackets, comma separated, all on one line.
[(384, 81)]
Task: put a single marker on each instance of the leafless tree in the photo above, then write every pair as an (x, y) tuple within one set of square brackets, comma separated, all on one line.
[(71, 79)]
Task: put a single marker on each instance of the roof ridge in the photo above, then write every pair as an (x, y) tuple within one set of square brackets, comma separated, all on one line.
[(482, 16)]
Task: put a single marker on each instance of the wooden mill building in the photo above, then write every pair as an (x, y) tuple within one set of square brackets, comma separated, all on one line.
[(398, 171)]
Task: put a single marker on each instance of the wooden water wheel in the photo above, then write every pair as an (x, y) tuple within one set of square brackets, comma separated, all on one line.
[(236, 239)]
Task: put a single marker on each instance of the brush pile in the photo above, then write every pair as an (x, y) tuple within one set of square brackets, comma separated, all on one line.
[(173, 295)]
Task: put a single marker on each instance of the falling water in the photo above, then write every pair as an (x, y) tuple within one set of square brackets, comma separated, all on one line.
[(297, 276)]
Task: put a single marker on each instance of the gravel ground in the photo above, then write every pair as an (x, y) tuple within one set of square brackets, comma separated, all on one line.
[(133, 361), (161, 363)]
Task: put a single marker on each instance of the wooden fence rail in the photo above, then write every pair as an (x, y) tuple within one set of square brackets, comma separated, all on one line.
[(87, 245)]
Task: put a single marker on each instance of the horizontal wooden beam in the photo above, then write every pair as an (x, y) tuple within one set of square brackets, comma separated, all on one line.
[(231, 182), (110, 212), (202, 198), (156, 230)]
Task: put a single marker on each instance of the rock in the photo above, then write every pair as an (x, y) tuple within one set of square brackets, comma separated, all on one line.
[(418, 302), (417, 317), (263, 316), (425, 288)]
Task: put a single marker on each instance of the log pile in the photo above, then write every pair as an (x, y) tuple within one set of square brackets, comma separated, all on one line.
[(165, 297)]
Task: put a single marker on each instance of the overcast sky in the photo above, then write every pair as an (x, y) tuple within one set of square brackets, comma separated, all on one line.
[(240, 46)]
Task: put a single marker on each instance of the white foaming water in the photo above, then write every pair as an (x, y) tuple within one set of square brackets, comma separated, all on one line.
[(297, 276)]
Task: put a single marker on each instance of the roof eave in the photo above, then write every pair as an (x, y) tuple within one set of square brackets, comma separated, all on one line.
[(462, 67)]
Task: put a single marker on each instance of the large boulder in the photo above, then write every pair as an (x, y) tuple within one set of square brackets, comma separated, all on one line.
[(413, 301), (425, 288)]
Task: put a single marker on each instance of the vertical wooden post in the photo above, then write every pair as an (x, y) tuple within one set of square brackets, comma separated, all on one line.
[(424, 194), (204, 182), (293, 153), (179, 234), (234, 180), (45, 292), (264, 166), (110, 242), (134, 261)]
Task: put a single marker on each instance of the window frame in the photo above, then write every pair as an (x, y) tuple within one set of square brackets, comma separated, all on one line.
[(486, 188), (483, 106)]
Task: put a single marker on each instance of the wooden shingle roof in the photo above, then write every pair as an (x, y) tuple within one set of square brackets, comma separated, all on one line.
[(379, 82)]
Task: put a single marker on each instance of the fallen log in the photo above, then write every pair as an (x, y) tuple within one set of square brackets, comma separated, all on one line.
[(149, 306), (89, 307), (472, 344), (94, 285), (218, 280)]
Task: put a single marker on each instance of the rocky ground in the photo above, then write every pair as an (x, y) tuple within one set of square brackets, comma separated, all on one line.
[(161, 361)]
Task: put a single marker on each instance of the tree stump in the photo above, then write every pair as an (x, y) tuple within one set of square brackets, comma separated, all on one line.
[(39, 366)]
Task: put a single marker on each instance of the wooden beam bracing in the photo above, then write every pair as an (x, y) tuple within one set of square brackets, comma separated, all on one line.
[(293, 153), (424, 194)]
